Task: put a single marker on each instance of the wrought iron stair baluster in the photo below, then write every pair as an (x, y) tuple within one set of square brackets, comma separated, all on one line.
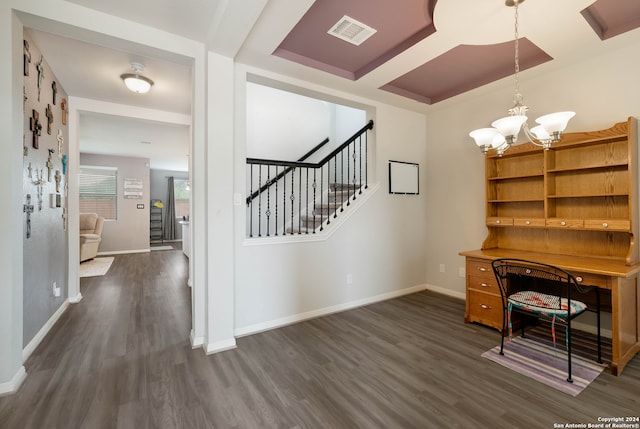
[(307, 209)]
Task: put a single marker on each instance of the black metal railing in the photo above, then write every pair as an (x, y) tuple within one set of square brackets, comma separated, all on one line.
[(285, 171), (297, 197)]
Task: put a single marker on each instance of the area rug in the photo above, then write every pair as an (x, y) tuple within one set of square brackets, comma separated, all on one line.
[(540, 362), (161, 248), (95, 267)]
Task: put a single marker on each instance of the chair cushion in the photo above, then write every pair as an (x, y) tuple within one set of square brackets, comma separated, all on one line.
[(543, 304)]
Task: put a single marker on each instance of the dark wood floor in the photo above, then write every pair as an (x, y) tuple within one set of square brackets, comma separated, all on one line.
[(121, 359)]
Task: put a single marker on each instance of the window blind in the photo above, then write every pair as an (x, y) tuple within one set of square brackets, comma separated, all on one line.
[(98, 191)]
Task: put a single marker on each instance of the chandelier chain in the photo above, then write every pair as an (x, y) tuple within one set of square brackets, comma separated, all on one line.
[(517, 57)]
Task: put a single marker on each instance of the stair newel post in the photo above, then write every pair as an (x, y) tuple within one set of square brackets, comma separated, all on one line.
[(260, 201)]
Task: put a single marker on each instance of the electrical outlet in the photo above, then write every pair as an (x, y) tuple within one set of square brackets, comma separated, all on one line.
[(461, 272), (56, 290), (442, 268), (349, 279)]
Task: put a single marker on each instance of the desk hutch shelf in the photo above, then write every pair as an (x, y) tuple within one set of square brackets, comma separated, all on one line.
[(579, 198), (574, 206)]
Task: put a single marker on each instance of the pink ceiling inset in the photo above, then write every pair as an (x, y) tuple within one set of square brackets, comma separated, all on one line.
[(609, 18), (400, 24), (463, 68)]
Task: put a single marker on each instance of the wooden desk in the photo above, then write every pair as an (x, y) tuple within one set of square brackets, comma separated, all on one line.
[(622, 280)]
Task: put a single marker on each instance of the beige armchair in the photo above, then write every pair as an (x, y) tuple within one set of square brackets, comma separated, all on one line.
[(90, 235)]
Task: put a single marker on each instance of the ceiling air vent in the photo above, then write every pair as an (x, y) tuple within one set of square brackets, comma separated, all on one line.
[(352, 31)]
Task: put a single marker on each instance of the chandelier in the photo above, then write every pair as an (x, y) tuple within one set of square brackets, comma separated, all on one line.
[(504, 132)]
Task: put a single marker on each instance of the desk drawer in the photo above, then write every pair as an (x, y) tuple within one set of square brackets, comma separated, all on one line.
[(499, 221), (531, 222), (565, 223), (480, 267), (484, 283), (613, 225), (485, 308), (588, 279)]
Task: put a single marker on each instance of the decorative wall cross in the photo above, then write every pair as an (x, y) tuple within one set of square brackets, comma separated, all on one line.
[(40, 69), (54, 88), (40, 183), (58, 177), (26, 57), (63, 107), (60, 143), (49, 114), (49, 165), (28, 209), (36, 127)]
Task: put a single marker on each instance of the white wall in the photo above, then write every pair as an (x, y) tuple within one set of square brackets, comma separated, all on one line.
[(283, 125), (130, 231), (602, 91), (63, 17), (382, 245), (11, 218)]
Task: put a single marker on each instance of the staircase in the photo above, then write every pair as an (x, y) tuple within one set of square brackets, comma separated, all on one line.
[(302, 197), (314, 218)]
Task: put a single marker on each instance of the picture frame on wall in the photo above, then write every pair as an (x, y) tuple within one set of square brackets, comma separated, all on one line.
[(404, 178)]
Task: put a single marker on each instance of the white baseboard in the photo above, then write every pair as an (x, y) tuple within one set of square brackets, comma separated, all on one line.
[(37, 339), (289, 320), (124, 252), (220, 346), (75, 299), (10, 387), (195, 341), (448, 292)]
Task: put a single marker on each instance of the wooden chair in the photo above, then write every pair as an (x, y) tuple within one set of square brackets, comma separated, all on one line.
[(542, 291)]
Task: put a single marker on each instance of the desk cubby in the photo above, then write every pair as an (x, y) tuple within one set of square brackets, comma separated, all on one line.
[(581, 193)]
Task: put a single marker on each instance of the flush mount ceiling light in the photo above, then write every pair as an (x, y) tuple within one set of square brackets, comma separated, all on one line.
[(135, 81), (504, 131)]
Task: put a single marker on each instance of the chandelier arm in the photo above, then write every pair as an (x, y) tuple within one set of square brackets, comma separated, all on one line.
[(551, 125), (546, 143)]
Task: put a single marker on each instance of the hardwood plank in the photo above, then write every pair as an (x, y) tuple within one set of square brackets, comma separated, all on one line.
[(121, 359)]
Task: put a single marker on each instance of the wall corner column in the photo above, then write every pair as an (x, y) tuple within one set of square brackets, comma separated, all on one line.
[(220, 172), (12, 372)]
